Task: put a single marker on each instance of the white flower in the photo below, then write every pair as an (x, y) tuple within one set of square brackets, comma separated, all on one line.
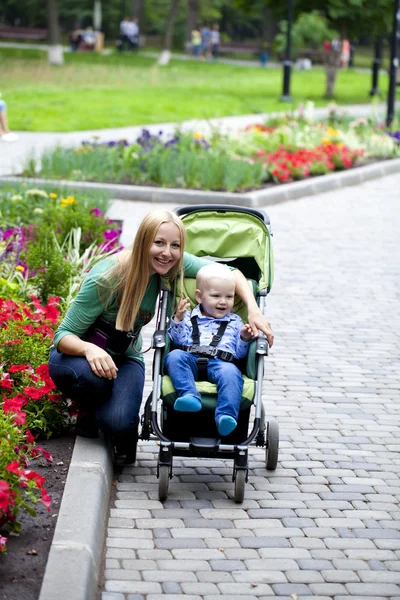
[(16, 198), (37, 193), (38, 210)]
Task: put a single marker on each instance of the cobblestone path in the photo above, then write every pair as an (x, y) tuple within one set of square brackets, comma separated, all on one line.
[(326, 523)]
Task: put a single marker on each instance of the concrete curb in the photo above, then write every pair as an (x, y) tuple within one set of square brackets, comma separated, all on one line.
[(76, 552), (273, 195)]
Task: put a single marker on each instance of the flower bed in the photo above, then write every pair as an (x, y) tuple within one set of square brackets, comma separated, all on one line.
[(285, 149), (47, 244)]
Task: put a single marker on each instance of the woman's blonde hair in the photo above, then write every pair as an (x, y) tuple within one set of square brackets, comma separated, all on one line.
[(131, 276)]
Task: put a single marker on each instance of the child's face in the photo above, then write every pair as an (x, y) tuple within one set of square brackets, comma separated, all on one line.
[(216, 297)]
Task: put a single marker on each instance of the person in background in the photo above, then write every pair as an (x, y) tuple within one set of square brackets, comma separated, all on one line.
[(123, 34), (345, 54), (196, 41), (215, 41), (133, 33), (206, 41), (5, 134)]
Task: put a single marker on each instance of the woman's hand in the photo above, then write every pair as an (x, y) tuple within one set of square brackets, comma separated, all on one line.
[(183, 307), (258, 321), (100, 362)]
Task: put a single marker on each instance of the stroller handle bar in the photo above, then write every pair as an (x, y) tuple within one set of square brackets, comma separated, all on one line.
[(187, 210)]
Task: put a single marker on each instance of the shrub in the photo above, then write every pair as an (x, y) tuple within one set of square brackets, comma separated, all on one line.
[(21, 488)]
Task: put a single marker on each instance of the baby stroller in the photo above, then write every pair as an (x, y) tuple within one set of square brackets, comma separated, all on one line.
[(239, 237)]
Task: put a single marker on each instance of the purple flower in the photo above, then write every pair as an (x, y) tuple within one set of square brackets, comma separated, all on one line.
[(97, 212), (172, 142), (395, 135)]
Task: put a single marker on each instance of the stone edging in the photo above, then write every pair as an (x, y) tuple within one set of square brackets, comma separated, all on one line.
[(76, 552), (254, 199)]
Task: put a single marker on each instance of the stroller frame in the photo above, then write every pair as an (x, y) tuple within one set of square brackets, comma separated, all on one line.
[(264, 434)]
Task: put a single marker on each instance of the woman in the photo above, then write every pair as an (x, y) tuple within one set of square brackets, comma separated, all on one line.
[(97, 357)]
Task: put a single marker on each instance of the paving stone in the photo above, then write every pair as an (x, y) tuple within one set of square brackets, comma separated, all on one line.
[(171, 587), (162, 576), (302, 576), (260, 576), (291, 589), (264, 542), (245, 589), (328, 589), (337, 576), (373, 589)]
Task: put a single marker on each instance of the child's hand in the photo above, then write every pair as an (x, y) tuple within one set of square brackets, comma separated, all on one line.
[(246, 333), (183, 307)]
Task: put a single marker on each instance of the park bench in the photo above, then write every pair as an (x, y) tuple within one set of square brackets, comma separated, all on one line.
[(23, 33), (239, 48), (313, 54)]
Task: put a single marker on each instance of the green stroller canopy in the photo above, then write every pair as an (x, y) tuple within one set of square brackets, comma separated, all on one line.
[(231, 235)]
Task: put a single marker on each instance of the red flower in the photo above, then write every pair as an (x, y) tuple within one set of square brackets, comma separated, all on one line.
[(28, 329), (13, 342), (46, 500), (33, 476), (14, 467), (29, 437), (45, 454), (43, 371), (17, 368), (7, 496), (34, 393), (6, 384)]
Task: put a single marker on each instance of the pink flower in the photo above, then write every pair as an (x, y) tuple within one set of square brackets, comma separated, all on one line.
[(3, 542)]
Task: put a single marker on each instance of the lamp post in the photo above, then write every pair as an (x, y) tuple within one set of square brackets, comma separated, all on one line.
[(376, 65), (394, 63), (287, 63)]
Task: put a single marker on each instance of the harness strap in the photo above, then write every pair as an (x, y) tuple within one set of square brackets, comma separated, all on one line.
[(217, 337), (211, 350)]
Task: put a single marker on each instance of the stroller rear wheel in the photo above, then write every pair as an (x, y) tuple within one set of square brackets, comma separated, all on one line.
[(240, 484), (272, 445), (163, 482)]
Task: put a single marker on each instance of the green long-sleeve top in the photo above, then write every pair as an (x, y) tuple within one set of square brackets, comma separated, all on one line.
[(89, 303)]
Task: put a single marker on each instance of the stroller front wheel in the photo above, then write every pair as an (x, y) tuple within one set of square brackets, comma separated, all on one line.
[(272, 445), (163, 482), (240, 484)]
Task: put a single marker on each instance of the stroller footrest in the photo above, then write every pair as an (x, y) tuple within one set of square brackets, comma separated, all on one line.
[(204, 444)]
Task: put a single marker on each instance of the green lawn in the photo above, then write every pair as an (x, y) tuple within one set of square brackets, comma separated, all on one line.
[(93, 91)]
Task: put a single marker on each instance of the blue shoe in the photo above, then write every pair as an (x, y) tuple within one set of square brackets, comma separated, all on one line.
[(226, 424), (187, 403)]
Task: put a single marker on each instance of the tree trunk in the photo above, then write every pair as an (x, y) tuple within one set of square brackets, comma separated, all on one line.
[(332, 64), (192, 17), (56, 56), (137, 9), (169, 32)]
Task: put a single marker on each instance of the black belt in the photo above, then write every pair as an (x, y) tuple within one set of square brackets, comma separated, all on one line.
[(209, 352)]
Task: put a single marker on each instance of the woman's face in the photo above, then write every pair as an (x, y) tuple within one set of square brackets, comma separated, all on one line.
[(165, 250)]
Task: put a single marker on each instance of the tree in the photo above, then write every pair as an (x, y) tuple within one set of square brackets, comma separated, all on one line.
[(165, 55), (192, 18), (56, 56)]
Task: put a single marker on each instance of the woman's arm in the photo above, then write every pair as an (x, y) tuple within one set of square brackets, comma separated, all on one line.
[(257, 320), (99, 360)]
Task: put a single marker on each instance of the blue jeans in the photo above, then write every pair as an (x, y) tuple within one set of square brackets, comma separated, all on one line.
[(116, 401), (183, 371)]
